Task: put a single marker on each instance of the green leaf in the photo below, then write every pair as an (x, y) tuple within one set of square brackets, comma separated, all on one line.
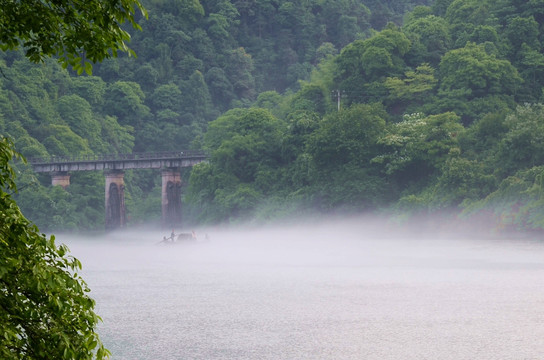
[(88, 68)]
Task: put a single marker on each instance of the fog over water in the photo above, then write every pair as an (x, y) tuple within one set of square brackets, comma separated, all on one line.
[(333, 290)]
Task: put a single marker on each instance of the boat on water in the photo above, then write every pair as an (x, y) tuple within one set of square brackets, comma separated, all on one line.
[(182, 238)]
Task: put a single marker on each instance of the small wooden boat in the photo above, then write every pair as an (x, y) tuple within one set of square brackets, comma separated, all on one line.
[(186, 237), (182, 238)]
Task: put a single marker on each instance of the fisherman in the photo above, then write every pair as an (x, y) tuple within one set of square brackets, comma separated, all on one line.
[(173, 236)]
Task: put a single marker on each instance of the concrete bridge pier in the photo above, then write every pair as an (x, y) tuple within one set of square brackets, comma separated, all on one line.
[(171, 197), (61, 178), (115, 199)]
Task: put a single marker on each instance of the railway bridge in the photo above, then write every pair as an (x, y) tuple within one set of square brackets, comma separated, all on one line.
[(113, 166)]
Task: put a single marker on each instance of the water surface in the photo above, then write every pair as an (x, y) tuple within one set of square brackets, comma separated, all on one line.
[(317, 293)]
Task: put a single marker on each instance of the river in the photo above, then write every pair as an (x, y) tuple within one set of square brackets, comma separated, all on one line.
[(316, 293)]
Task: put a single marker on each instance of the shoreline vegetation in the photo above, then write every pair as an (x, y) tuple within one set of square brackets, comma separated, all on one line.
[(414, 108)]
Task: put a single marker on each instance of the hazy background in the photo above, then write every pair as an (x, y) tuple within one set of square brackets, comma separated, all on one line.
[(323, 290)]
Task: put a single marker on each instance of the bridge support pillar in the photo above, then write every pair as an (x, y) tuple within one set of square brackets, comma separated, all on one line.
[(115, 199), (171, 197), (61, 178)]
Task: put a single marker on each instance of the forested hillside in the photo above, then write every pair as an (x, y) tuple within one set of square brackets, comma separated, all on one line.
[(412, 106)]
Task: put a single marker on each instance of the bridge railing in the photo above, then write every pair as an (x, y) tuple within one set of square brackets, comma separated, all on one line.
[(119, 157)]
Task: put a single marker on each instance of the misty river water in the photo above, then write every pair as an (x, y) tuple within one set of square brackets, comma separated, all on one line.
[(316, 292)]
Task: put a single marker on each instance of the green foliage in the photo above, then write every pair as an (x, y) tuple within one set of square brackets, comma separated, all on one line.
[(418, 146), (243, 141), (522, 144), (269, 100), (311, 97), (91, 88), (480, 141), (348, 136), (196, 102), (142, 197), (119, 138), (61, 140), (430, 38), (350, 188), (77, 114), (517, 203), (237, 203), (220, 87), (462, 66), (45, 311), (478, 73), (196, 60), (204, 182), (189, 10), (30, 147), (79, 207), (440, 7), (245, 146), (65, 29), (125, 100), (460, 182), (363, 64), (166, 97), (411, 91), (335, 165), (520, 31), (465, 15), (240, 67)]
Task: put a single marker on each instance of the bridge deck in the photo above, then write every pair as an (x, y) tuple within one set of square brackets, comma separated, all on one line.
[(173, 159)]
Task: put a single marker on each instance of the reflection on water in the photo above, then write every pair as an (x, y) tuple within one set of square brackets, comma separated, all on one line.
[(316, 293)]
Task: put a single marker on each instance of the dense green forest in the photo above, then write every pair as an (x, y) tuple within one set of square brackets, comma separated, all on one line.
[(345, 106)]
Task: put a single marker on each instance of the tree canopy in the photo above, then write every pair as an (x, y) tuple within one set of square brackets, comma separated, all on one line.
[(76, 32), (45, 310), (357, 105)]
